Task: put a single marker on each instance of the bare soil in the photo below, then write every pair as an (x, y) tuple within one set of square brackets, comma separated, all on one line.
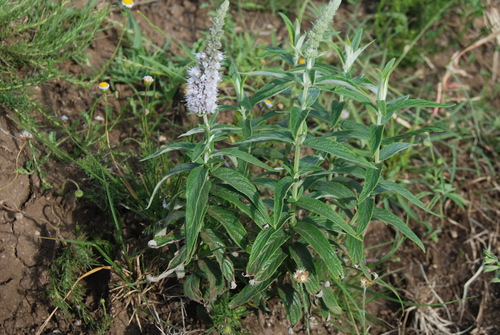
[(30, 214)]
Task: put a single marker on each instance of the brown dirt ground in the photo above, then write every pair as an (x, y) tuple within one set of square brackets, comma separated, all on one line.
[(28, 213)]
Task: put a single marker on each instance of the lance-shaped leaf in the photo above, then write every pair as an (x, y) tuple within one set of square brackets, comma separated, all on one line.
[(291, 301), (318, 207), (274, 135), (389, 218), (192, 288), (391, 149), (361, 219), (178, 169), (375, 137), (398, 104), (401, 190), (232, 225), (269, 267), (315, 238), (297, 117), (271, 89), (182, 146), (403, 136), (267, 246), (250, 291), (197, 189), (372, 177), (336, 149), (280, 192), (304, 260), (214, 276), (244, 186), (243, 156), (235, 197), (337, 108)]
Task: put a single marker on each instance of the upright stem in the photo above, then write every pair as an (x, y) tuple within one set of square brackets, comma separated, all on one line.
[(299, 139), (377, 151), (208, 139)]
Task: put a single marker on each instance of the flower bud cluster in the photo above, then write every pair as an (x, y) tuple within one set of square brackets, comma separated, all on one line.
[(201, 86), (315, 36)]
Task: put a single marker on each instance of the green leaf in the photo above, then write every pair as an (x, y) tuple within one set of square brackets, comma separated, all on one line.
[(198, 150), (336, 149), (304, 260), (178, 169), (231, 223), (401, 190), (403, 136), (243, 156), (271, 89), (315, 238), (297, 117), (389, 218), (280, 74), (215, 244), (280, 136), (244, 186), (267, 246), (227, 268), (351, 129), (375, 137), (390, 150), (337, 108), (322, 209), (197, 189), (269, 267), (214, 276), (234, 198), (192, 288), (162, 238), (291, 301), (355, 95), (289, 26), (372, 177), (280, 192), (182, 146), (361, 219), (397, 104), (250, 291), (336, 190), (312, 96), (364, 215), (330, 300)]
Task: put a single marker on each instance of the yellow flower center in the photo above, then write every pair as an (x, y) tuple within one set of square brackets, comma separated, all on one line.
[(128, 2), (103, 85), (302, 61)]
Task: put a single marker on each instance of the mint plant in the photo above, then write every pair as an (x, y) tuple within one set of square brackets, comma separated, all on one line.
[(284, 209)]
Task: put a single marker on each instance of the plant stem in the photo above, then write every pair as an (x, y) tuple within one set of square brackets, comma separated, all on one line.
[(379, 122)]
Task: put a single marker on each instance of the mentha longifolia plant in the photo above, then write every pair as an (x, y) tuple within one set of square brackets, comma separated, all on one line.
[(259, 216)]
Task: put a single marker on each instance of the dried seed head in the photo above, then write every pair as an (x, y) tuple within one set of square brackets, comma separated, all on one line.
[(301, 276)]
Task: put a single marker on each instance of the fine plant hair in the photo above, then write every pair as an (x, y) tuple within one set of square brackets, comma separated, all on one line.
[(274, 205)]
